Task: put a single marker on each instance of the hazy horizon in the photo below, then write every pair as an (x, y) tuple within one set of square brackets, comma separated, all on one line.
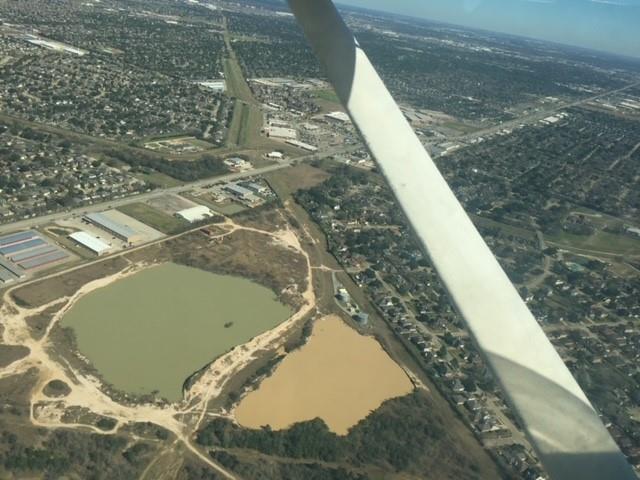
[(606, 25)]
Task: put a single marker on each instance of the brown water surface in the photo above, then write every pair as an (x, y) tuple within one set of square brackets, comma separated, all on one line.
[(339, 376)]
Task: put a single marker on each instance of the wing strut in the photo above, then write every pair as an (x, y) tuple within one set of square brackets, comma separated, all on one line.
[(561, 424)]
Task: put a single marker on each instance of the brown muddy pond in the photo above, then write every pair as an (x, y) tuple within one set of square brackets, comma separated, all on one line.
[(339, 376)]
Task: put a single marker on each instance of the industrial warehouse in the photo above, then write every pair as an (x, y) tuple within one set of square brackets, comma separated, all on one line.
[(101, 233), (106, 222), (242, 194), (113, 228), (195, 214), (27, 251), (94, 244)]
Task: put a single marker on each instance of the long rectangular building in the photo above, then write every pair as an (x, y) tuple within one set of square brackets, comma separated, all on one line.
[(17, 238), (6, 276), (18, 247), (43, 260), (302, 145), (117, 229), (13, 268), (86, 240), (238, 190), (32, 253)]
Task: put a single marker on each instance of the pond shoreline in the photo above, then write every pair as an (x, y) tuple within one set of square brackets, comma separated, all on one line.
[(167, 321), (338, 375)]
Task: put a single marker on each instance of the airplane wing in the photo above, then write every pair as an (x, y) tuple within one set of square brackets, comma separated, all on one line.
[(561, 424)]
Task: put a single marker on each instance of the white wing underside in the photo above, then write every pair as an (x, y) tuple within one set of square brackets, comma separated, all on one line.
[(561, 424)]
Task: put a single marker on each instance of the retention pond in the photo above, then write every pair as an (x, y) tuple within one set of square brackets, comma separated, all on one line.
[(148, 332), (339, 376)]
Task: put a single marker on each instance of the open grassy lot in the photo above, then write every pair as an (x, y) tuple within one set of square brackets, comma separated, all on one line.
[(460, 127), (506, 229), (327, 101), (236, 84), (296, 178), (246, 125), (252, 122), (177, 145), (160, 179), (327, 94), (599, 242), (154, 217)]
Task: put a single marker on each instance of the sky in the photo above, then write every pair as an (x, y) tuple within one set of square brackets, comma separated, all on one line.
[(606, 25)]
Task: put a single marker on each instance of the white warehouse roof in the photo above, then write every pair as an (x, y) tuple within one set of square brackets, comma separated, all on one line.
[(195, 214), (339, 116), (282, 132), (95, 245)]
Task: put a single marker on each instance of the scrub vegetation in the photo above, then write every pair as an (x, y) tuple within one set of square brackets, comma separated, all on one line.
[(379, 441)]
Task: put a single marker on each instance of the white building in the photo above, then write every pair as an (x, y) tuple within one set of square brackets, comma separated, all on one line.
[(282, 132), (238, 191), (237, 164), (218, 86), (339, 117), (275, 155), (257, 188), (302, 145), (94, 244), (243, 194), (195, 214)]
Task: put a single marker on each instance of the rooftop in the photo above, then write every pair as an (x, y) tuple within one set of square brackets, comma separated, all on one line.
[(111, 225)]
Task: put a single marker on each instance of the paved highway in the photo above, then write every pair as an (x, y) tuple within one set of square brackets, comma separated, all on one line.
[(97, 207), (535, 117)]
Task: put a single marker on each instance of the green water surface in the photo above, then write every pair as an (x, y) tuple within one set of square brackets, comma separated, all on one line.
[(150, 331)]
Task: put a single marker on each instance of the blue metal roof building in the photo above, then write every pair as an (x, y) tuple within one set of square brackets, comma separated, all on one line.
[(17, 237), (36, 252), (14, 269), (43, 260), (18, 247)]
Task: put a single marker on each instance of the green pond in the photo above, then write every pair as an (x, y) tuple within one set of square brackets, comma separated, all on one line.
[(150, 331)]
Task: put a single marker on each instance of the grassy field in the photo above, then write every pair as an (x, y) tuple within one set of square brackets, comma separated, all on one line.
[(250, 134), (327, 100), (507, 229), (176, 144), (233, 135), (599, 242), (160, 179), (154, 217), (327, 94), (245, 126), (237, 86), (460, 127), (296, 178)]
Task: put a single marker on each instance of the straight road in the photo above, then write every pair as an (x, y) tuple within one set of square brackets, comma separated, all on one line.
[(143, 197), (538, 115)]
